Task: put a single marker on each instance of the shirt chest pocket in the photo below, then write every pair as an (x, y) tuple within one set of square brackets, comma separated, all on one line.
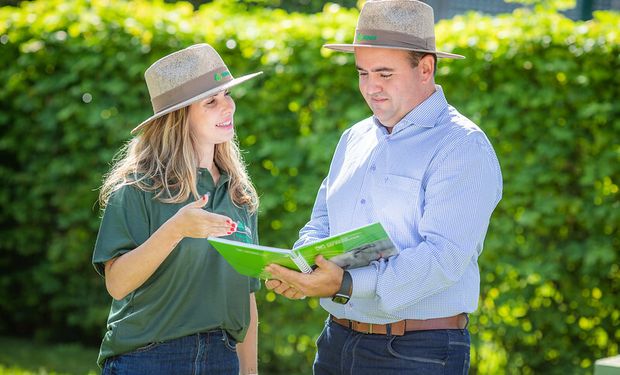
[(395, 199)]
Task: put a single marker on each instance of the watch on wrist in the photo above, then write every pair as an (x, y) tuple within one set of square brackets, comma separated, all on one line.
[(343, 295)]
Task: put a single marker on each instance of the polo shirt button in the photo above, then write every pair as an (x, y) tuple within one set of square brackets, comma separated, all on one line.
[(363, 201), (373, 167)]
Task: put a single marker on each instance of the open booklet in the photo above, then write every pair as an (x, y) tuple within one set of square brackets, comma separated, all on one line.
[(355, 248)]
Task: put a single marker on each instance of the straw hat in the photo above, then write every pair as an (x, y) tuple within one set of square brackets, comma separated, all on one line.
[(187, 76), (396, 24)]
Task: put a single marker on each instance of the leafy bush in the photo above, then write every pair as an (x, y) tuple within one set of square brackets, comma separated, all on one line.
[(543, 87)]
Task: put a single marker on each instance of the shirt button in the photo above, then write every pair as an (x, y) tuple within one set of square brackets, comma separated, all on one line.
[(363, 201), (373, 167)]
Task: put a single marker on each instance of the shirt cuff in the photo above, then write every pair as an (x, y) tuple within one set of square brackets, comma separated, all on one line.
[(364, 282)]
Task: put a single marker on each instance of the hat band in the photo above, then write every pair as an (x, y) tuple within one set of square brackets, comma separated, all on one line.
[(192, 88), (393, 39)]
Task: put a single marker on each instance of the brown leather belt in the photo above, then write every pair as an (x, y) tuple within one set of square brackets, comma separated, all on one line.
[(399, 328)]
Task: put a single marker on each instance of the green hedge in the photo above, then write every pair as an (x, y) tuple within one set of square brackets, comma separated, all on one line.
[(544, 88)]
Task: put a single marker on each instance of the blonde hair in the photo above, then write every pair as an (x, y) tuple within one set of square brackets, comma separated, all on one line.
[(163, 159)]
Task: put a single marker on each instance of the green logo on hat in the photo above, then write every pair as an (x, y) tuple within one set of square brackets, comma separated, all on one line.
[(361, 36), (219, 76)]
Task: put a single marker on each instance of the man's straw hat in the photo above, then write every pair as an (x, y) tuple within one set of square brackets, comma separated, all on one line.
[(396, 24), (187, 76)]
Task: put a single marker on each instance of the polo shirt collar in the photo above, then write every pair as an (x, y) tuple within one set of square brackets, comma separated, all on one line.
[(205, 176)]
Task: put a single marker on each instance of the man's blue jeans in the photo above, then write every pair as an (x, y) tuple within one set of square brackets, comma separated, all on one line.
[(202, 353), (343, 351)]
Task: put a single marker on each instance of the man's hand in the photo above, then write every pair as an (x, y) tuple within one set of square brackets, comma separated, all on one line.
[(284, 289), (324, 281)]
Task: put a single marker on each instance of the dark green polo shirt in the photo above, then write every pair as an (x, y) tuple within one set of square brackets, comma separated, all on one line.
[(194, 289)]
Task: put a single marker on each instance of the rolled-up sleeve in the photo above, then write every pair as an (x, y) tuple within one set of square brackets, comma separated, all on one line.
[(124, 226)]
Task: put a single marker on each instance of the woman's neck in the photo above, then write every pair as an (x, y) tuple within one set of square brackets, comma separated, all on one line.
[(205, 155)]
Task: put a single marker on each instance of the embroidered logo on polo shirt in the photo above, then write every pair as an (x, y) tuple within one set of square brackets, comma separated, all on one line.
[(243, 232)]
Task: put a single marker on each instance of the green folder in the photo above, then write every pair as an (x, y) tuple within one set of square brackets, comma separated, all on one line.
[(352, 249)]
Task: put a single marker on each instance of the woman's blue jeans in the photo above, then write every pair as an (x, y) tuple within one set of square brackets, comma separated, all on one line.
[(212, 352), (343, 351)]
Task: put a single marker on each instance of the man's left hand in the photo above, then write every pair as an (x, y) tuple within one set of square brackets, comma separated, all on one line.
[(324, 281)]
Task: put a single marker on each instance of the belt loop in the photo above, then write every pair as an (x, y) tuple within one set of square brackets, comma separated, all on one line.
[(388, 330), (467, 321)]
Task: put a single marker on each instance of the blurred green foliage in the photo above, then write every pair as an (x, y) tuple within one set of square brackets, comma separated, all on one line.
[(23, 357), (544, 88), (302, 6)]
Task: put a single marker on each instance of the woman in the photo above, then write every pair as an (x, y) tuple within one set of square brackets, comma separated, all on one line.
[(178, 307)]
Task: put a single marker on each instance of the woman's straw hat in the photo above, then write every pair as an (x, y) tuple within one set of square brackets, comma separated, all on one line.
[(187, 76)]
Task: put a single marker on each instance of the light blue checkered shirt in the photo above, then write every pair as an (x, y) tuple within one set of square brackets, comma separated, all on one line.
[(433, 184)]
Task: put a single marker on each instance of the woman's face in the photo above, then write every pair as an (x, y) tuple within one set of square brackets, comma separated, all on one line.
[(211, 119)]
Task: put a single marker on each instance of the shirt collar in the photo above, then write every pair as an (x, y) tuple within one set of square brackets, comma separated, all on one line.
[(205, 176), (424, 114)]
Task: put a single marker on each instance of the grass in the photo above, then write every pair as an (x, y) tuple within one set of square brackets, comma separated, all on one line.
[(23, 357)]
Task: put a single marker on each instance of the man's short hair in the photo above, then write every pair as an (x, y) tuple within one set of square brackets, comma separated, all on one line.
[(415, 57)]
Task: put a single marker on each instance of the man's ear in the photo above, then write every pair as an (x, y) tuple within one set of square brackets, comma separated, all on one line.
[(427, 67)]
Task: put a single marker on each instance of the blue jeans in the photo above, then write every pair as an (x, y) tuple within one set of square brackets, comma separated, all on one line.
[(212, 352), (343, 351)]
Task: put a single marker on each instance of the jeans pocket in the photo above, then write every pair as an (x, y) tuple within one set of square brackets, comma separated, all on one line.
[(108, 367), (466, 365), (417, 354), (321, 336), (147, 347), (229, 342)]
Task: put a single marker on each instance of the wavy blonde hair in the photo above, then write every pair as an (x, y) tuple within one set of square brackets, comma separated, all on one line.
[(163, 159)]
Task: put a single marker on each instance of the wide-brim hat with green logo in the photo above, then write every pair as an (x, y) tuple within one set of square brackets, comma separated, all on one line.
[(187, 76), (396, 24)]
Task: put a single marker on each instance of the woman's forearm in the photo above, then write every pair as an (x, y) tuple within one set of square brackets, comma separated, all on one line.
[(247, 351), (126, 273)]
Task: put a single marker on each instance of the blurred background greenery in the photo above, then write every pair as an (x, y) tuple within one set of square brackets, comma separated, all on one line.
[(544, 88)]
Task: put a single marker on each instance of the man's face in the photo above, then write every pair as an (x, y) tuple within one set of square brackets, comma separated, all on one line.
[(389, 83)]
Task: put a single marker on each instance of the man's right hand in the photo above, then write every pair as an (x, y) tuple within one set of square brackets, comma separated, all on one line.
[(284, 289)]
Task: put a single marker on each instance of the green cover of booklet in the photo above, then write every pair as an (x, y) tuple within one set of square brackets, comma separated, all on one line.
[(355, 248)]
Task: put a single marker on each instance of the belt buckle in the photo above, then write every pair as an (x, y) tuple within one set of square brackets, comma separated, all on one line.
[(369, 329)]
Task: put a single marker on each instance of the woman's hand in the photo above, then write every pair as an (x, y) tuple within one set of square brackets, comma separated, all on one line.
[(127, 272), (194, 221)]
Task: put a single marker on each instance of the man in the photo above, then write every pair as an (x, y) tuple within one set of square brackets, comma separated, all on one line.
[(431, 177)]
